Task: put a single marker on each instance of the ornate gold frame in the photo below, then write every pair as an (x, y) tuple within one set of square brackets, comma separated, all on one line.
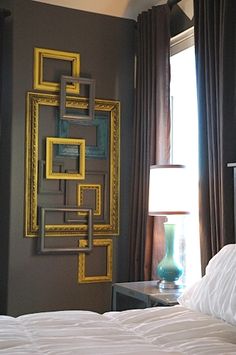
[(50, 141), (97, 188), (34, 101), (82, 278), (40, 54)]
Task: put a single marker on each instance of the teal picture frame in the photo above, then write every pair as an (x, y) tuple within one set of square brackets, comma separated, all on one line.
[(98, 151)]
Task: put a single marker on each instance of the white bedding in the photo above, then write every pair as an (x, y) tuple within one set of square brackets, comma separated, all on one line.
[(159, 330)]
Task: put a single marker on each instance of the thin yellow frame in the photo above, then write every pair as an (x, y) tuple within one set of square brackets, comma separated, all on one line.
[(40, 84), (34, 102), (82, 278), (80, 197), (50, 141)]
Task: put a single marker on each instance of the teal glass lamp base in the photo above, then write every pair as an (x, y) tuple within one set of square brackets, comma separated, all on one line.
[(169, 270), (169, 285)]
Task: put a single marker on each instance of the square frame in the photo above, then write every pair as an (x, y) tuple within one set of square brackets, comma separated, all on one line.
[(34, 102), (40, 54), (82, 278), (50, 141)]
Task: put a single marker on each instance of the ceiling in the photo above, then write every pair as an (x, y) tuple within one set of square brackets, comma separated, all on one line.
[(119, 8)]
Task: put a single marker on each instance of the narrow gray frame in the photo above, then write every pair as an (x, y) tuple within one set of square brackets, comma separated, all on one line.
[(91, 98), (41, 245)]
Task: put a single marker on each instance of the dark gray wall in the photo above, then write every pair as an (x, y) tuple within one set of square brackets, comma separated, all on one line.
[(34, 283)]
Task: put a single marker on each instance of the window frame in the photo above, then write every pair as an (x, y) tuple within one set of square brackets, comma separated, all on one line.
[(182, 41)]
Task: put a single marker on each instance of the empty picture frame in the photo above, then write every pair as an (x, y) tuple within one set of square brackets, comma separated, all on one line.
[(42, 249), (40, 83), (95, 188), (89, 112), (50, 174), (36, 102), (95, 151), (97, 243)]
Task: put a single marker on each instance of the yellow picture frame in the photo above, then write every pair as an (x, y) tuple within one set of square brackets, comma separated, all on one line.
[(82, 278), (34, 102), (50, 141), (88, 187), (43, 53)]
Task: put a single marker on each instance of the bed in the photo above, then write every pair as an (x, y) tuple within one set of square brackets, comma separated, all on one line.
[(203, 323)]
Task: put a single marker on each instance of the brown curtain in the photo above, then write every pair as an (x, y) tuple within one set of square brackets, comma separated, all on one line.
[(215, 43), (151, 134)]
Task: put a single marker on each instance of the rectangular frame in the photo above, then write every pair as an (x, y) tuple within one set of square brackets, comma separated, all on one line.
[(85, 249), (82, 278), (84, 81), (97, 188), (34, 101), (92, 152), (40, 54), (50, 141)]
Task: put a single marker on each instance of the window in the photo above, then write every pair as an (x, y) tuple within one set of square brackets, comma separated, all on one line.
[(184, 146)]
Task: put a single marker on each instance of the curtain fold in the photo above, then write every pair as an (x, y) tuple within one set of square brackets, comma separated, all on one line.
[(215, 45), (151, 135)]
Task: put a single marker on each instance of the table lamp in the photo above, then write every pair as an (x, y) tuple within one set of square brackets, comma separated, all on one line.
[(168, 197)]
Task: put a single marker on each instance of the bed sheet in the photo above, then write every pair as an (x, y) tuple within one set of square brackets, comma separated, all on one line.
[(160, 330), (180, 329)]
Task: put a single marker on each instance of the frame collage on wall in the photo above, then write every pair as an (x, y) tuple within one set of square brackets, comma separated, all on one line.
[(71, 163)]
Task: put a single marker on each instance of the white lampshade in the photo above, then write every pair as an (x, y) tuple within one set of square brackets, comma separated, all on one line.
[(168, 193)]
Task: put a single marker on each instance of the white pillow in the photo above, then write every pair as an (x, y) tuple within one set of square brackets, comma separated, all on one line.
[(215, 293)]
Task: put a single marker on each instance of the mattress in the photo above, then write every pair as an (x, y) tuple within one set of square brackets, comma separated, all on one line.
[(159, 330)]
